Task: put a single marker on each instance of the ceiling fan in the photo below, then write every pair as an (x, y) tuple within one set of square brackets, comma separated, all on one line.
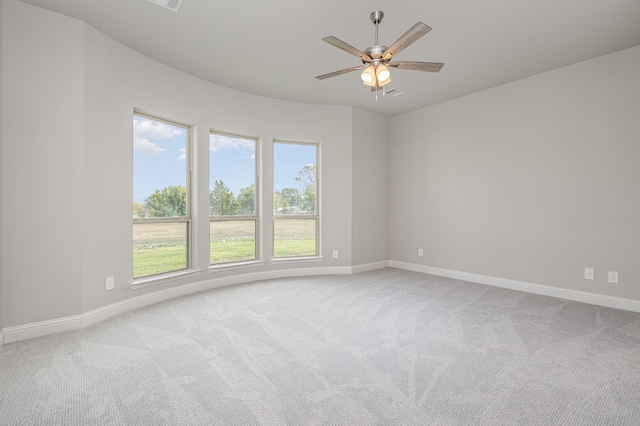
[(376, 60)]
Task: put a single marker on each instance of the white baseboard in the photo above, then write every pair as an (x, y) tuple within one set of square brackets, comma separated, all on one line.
[(76, 322), (42, 328), (545, 290), (369, 267), (1, 337)]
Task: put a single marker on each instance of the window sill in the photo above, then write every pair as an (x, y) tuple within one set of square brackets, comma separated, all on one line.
[(235, 265), (163, 278), (297, 259)]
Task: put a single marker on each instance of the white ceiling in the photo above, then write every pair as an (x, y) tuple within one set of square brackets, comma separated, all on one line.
[(274, 47)]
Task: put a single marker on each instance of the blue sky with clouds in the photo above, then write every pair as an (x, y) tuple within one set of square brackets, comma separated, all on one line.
[(288, 160), (233, 161), (160, 159)]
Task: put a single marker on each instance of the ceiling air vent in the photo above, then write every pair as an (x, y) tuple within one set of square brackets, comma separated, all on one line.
[(392, 92), (172, 5)]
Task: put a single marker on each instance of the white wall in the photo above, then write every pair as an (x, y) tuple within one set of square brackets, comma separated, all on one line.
[(370, 238), (42, 167), (530, 181), (68, 158)]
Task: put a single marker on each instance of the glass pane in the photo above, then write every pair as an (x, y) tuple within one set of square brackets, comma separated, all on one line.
[(294, 237), (159, 248), (294, 178), (232, 176), (159, 168), (232, 240)]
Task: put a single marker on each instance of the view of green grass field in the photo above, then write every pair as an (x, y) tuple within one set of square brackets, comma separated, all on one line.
[(158, 248), (162, 247), (294, 237)]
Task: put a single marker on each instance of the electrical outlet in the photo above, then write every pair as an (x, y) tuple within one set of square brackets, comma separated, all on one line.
[(335, 254), (109, 284), (589, 274), (613, 277), (420, 252)]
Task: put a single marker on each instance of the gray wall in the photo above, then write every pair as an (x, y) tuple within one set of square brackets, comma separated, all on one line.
[(370, 238), (42, 206), (531, 181), (68, 156)]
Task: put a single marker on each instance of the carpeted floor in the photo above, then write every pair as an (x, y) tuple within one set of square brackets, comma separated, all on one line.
[(378, 348)]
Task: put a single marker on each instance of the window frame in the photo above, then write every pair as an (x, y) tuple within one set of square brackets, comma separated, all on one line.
[(257, 258), (187, 219), (316, 215)]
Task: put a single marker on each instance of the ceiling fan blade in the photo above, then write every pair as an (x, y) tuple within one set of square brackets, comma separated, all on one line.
[(417, 66), (406, 39), (335, 73), (346, 47)]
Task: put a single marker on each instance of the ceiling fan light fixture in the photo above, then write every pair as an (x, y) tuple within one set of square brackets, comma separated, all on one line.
[(382, 73), (383, 82), (368, 75)]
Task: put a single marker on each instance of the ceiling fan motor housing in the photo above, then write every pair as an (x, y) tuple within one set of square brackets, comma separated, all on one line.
[(375, 53)]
